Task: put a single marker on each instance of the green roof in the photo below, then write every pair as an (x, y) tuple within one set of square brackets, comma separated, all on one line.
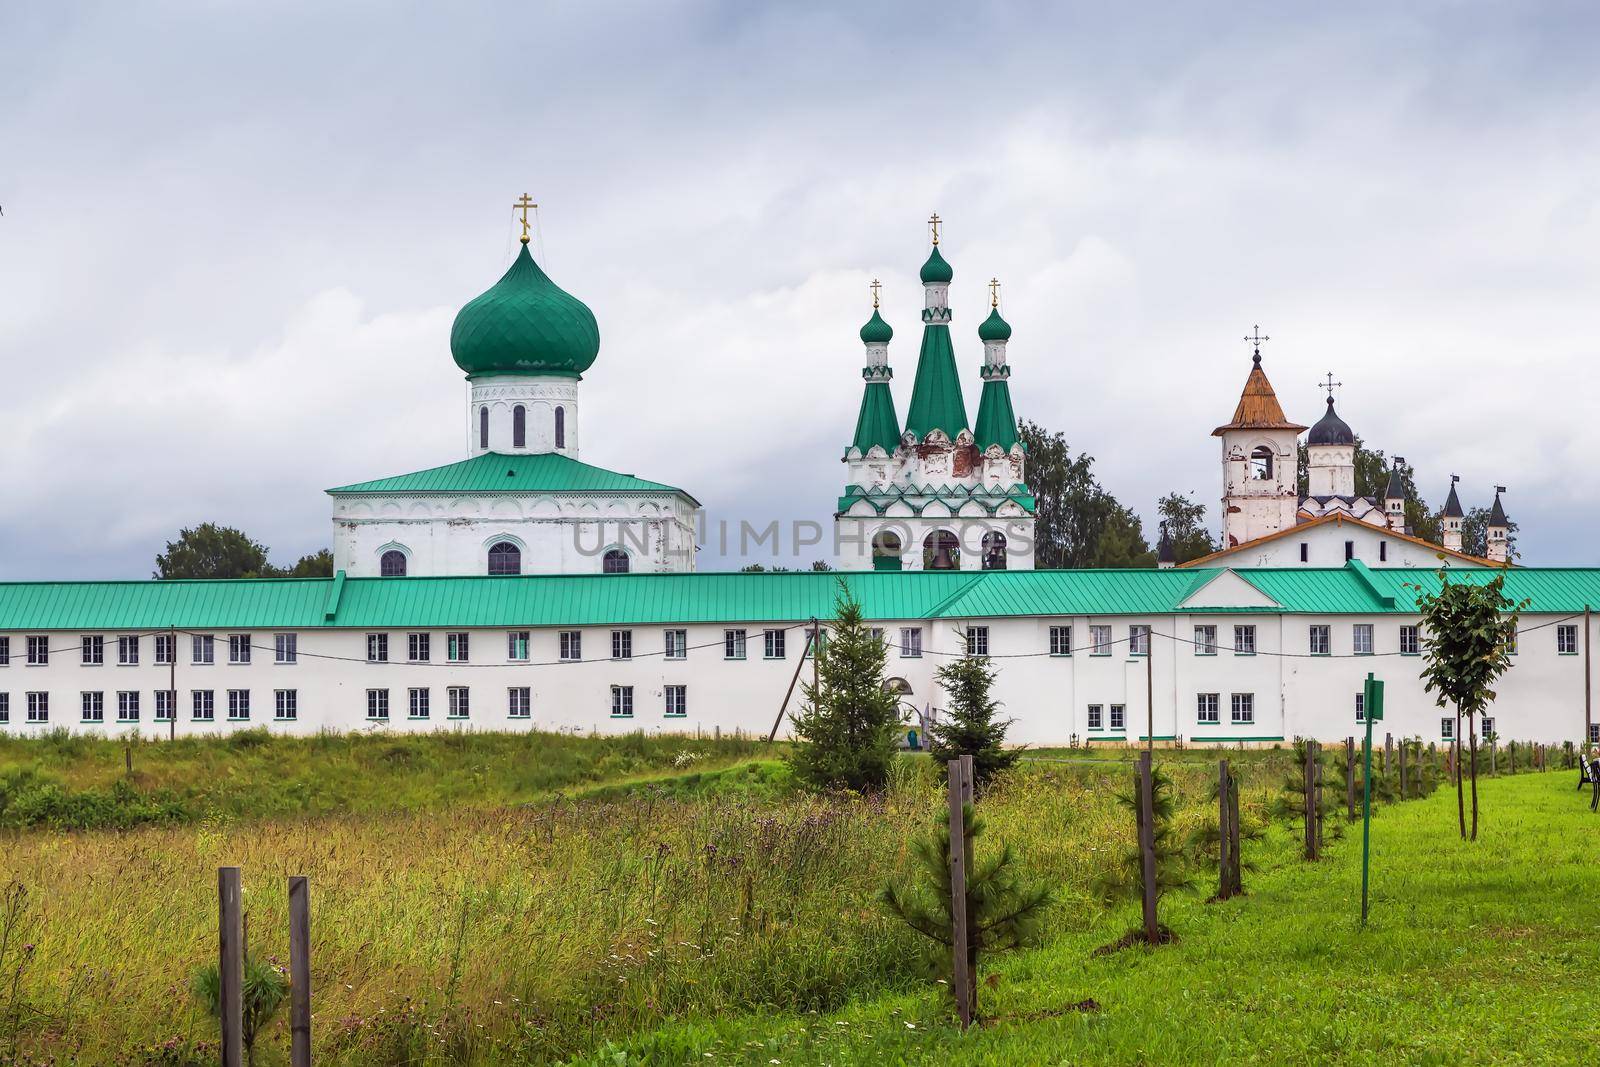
[(994, 328), (936, 269), (876, 424), (497, 472), (525, 324), (936, 402), (660, 599), (997, 423), (876, 331)]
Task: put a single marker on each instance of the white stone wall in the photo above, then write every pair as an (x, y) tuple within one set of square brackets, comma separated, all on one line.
[(443, 535), (1540, 699), (539, 397), (1325, 548), (1254, 507)]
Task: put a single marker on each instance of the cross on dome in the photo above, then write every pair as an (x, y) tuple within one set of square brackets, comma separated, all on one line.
[(933, 222), (525, 204), (1330, 385), (1256, 338)]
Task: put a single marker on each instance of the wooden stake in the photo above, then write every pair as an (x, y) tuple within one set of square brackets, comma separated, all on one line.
[(1224, 834), (230, 965), (1403, 782), (1308, 781), (793, 679), (1233, 829), (1350, 778), (1147, 846), (960, 980), (299, 972)]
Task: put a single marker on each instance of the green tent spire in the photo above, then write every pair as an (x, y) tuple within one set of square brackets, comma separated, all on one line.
[(877, 423), (997, 423), (936, 401)]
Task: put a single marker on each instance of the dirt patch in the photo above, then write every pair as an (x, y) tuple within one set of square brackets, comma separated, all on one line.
[(1164, 936)]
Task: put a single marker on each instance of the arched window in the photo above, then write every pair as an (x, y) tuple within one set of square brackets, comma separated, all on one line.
[(941, 551), (886, 551), (505, 558), (1261, 463), (519, 426), (615, 562), (994, 551), (392, 564), (483, 427), (561, 427)]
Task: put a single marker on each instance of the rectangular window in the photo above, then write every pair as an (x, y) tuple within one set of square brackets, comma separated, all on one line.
[(128, 650), (202, 649), (1139, 639), (38, 651), (1095, 720), (621, 644), (1061, 640), (1244, 709), (1511, 639), (5, 651), (1567, 640), (38, 707), (1205, 640), (164, 652), (775, 644), (456, 647), (815, 641), (1383, 551), (419, 647), (1321, 643), (677, 701), (1244, 640), (911, 642), (571, 645), (286, 705), (1119, 717), (1305, 552), (1349, 551), (1205, 708), (1099, 640), (519, 702), (1594, 733), (877, 634), (733, 644), (1447, 729), (1361, 707), (377, 705), (517, 642), (377, 648), (94, 650), (238, 705), (94, 707), (977, 640), (1410, 640), (286, 648), (622, 702), (1488, 725), (238, 648), (203, 705), (165, 711), (1361, 639), (460, 707), (127, 707), (677, 644), (417, 703), (5, 707)]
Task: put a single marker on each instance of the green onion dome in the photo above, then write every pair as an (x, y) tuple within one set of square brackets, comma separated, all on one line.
[(525, 324), (876, 331), (994, 328), (936, 269)]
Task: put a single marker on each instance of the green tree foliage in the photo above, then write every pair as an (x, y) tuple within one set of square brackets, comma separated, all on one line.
[(265, 988), (212, 551), (1291, 802), (1475, 533), (315, 565), (1004, 910), (1185, 521), (1079, 524), (848, 731), (972, 725), (1465, 651)]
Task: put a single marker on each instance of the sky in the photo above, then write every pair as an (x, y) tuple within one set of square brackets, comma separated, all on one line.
[(234, 238)]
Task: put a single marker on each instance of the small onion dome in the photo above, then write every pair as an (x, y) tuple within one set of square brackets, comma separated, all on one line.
[(876, 331), (525, 324), (1330, 430), (994, 328), (936, 269)]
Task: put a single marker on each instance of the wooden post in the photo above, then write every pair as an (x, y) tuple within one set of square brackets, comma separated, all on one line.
[(1147, 846), (1224, 834), (794, 678), (299, 972), (1233, 829), (1350, 778), (230, 966), (1308, 783), (959, 979), (1150, 690), (1588, 706), (1403, 782), (1388, 752), (1316, 801)]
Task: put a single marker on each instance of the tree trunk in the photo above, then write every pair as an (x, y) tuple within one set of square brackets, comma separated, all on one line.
[(1472, 732), (1461, 803)]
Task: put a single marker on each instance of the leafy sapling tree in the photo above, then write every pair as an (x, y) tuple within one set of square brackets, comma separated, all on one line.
[(972, 725), (265, 988), (1466, 648), (848, 729), (1004, 909)]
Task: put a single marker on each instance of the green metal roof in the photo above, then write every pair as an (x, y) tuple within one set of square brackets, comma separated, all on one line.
[(936, 402), (876, 331), (997, 423), (525, 324), (496, 472), (662, 599), (994, 328), (876, 423)]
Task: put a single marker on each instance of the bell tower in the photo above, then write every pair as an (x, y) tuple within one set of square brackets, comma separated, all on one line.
[(1260, 494)]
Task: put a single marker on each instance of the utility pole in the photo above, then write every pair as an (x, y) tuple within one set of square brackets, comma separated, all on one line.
[(1588, 676), (1149, 690), (172, 684)]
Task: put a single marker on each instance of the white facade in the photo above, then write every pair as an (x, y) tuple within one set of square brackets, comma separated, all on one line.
[(1331, 542), (1285, 688), (1259, 494), (548, 419)]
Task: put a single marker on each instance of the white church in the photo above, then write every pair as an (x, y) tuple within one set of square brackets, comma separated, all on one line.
[(519, 588)]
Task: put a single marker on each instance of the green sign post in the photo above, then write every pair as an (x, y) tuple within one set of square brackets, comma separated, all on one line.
[(1372, 707)]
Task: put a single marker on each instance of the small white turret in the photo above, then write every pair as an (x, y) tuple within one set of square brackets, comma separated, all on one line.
[(1453, 517)]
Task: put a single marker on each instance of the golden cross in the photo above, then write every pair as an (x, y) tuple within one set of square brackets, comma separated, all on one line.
[(994, 292), (875, 288), (524, 205), (934, 222)]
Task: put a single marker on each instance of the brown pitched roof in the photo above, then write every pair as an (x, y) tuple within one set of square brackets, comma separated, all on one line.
[(1258, 407), (1339, 520)]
